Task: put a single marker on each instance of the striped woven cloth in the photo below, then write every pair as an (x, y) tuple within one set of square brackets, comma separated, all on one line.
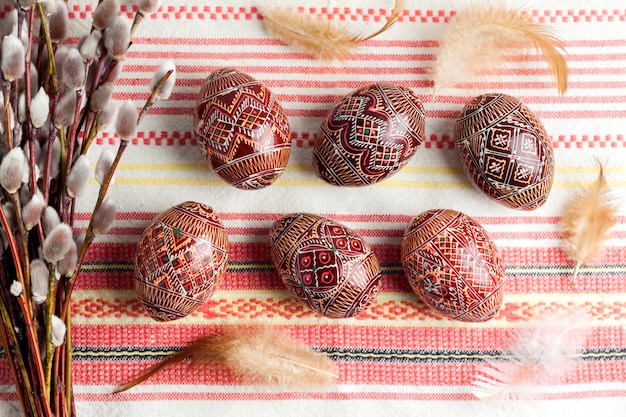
[(398, 358)]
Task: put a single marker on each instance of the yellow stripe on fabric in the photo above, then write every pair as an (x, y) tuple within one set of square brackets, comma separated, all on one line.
[(315, 182)]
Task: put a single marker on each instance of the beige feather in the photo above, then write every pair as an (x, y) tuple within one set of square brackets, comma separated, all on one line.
[(257, 355), (318, 36), (587, 221), (479, 38)]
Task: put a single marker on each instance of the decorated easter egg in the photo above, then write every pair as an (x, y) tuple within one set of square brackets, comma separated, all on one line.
[(324, 264), (453, 266), (182, 257), (505, 151), (241, 129), (369, 135)]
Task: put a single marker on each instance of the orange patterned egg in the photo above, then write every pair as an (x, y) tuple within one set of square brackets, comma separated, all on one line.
[(182, 257), (505, 151), (453, 266), (369, 135), (324, 264), (241, 129)]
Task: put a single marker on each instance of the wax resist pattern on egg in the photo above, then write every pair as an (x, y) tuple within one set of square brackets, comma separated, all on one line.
[(181, 259), (369, 135), (324, 264), (505, 151), (453, 266), (241, 129)]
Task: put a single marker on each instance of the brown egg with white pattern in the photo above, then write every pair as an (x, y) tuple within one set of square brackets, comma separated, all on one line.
[(505, 151)]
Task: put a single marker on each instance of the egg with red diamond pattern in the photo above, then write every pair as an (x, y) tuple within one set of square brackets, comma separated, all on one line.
[(324, 264), (505, 151), (453, 265), (241, 129), (369, 135), (181, 259)]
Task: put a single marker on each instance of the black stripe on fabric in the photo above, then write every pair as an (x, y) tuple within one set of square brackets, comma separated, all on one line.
[(388, 268), (340, 354)]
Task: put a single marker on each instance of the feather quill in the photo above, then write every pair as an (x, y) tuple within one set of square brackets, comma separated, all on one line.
[(536, 354), (318, 36), (480, 37), (587, 221), (257, 355)]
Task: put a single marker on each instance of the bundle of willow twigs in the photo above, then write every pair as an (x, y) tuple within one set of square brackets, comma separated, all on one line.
[(56, 97)]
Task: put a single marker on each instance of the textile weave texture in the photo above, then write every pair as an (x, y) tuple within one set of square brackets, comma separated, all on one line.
[(398, 358)]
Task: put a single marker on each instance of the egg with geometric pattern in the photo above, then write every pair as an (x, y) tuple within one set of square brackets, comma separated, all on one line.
[(241, 129), (505, 151), (369, 135), (181, 260), (324, 264), (452, 264)]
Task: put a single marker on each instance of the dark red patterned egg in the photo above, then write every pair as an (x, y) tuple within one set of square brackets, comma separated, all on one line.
[(369, 135), (505, 151), (181, 259), (453, 266), (324, 264), (241, 129)]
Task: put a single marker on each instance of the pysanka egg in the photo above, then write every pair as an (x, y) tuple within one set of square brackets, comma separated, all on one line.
[(182, 257), (505, 151), (324, 264), (369, 135), (241, 129), (453, 266)]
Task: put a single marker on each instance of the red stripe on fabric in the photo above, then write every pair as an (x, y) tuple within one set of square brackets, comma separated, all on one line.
[(357, 14), (388, 253), (329, 396), (183, 12), (331, 99), (360, 55), (386, 43), (348, 217), (541, 277), (350, 372), (308, 139), (431, 114), (461, 338)]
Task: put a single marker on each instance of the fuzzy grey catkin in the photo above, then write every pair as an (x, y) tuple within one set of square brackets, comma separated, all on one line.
[(126, 122), (12, 170), (79, 176), (166, 89), (58, 22), (57, 243), (39, 276), (117, 39), (105, 14), (12, 62), (104, 217), (39, 108)]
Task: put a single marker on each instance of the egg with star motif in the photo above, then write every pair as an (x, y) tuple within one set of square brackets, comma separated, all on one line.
[(505, 151)]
